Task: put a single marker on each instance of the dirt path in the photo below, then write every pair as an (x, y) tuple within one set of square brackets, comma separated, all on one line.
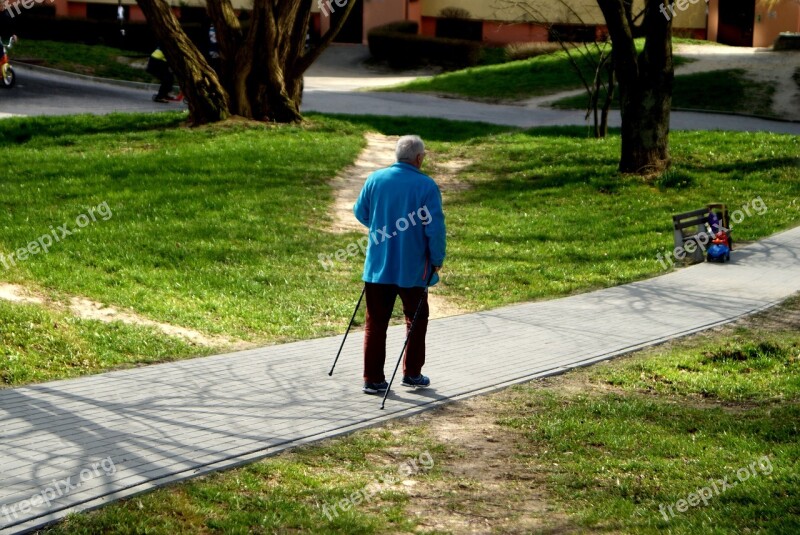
[(92, 310), (378, 153)]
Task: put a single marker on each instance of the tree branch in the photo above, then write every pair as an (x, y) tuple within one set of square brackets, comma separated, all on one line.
[(311, 55)]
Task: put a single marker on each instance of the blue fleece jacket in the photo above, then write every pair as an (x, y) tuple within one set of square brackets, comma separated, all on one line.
[(402, 207)]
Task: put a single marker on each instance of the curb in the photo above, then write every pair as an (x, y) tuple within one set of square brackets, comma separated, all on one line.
[(695, 110), (142, 86), (737, 114)]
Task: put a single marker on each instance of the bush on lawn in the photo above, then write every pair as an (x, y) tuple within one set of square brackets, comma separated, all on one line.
[(457, 23)]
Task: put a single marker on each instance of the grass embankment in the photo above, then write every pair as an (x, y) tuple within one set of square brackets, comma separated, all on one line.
[(726, 90), (723, 90), (219, 229), (91, 60), (598, 450), (514, 80)]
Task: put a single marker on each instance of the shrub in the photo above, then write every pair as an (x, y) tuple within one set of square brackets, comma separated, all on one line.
[(517, 51), (399, 44), (454, 13), (455, 23)]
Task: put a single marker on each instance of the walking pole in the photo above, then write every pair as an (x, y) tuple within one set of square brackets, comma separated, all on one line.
[(410, 330), (348, 330)]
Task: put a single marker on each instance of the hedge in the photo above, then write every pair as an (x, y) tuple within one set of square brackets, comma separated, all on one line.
[(399, 44)]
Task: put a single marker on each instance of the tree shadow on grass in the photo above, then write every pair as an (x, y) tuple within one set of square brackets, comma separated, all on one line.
[(740, 169), (435, 129), (21, 130)]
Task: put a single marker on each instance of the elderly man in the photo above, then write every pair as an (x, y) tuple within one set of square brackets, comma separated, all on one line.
[(402, 207)]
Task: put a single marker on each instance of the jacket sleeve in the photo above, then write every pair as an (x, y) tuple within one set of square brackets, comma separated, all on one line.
[(362, 209), (435, 229)]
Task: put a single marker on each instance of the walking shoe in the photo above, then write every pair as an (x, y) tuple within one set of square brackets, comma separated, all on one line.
[(375, 388), (419, 381)]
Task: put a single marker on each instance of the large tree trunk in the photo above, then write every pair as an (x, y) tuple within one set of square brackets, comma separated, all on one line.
[(207, 100), (277, 39), (645, 84), (260, 73)]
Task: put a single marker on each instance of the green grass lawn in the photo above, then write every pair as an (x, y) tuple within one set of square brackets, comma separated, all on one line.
[(92, 60), (726, 90), (605, 449), (219, 229), (38, 344), (541, 75), (641, 434)]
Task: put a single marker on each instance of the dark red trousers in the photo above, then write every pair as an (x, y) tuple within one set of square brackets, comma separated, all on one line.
[(380, 302)]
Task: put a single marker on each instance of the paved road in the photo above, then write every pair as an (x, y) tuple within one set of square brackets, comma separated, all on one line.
[(415, 105), (125, 432), (40, 93)]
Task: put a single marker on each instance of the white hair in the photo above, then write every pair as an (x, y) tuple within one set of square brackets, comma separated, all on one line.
[(408, 148)]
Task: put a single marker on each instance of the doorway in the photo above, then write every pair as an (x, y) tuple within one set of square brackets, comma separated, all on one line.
[(736, 19)]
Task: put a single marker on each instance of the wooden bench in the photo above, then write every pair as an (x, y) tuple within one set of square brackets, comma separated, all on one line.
[(689, 226)]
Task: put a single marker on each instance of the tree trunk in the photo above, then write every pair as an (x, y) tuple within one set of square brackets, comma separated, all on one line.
[(207, 100), (260, 73), (645, 129), (609, 100), (276, 39), (645, 85)]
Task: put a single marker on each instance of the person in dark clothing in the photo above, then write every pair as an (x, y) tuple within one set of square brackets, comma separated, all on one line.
[(158, 67)]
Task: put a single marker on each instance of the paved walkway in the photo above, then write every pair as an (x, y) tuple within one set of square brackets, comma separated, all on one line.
[(82, 443), (419, 105)]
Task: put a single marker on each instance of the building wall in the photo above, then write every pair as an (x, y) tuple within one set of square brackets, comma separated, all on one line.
[(692, 17), (502, 26), (506, 33), (587, 11), (769, 22), (378, 13), (713, 19), (551, 10)]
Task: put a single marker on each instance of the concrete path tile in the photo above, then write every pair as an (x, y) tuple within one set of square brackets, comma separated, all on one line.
[(84, 442)]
